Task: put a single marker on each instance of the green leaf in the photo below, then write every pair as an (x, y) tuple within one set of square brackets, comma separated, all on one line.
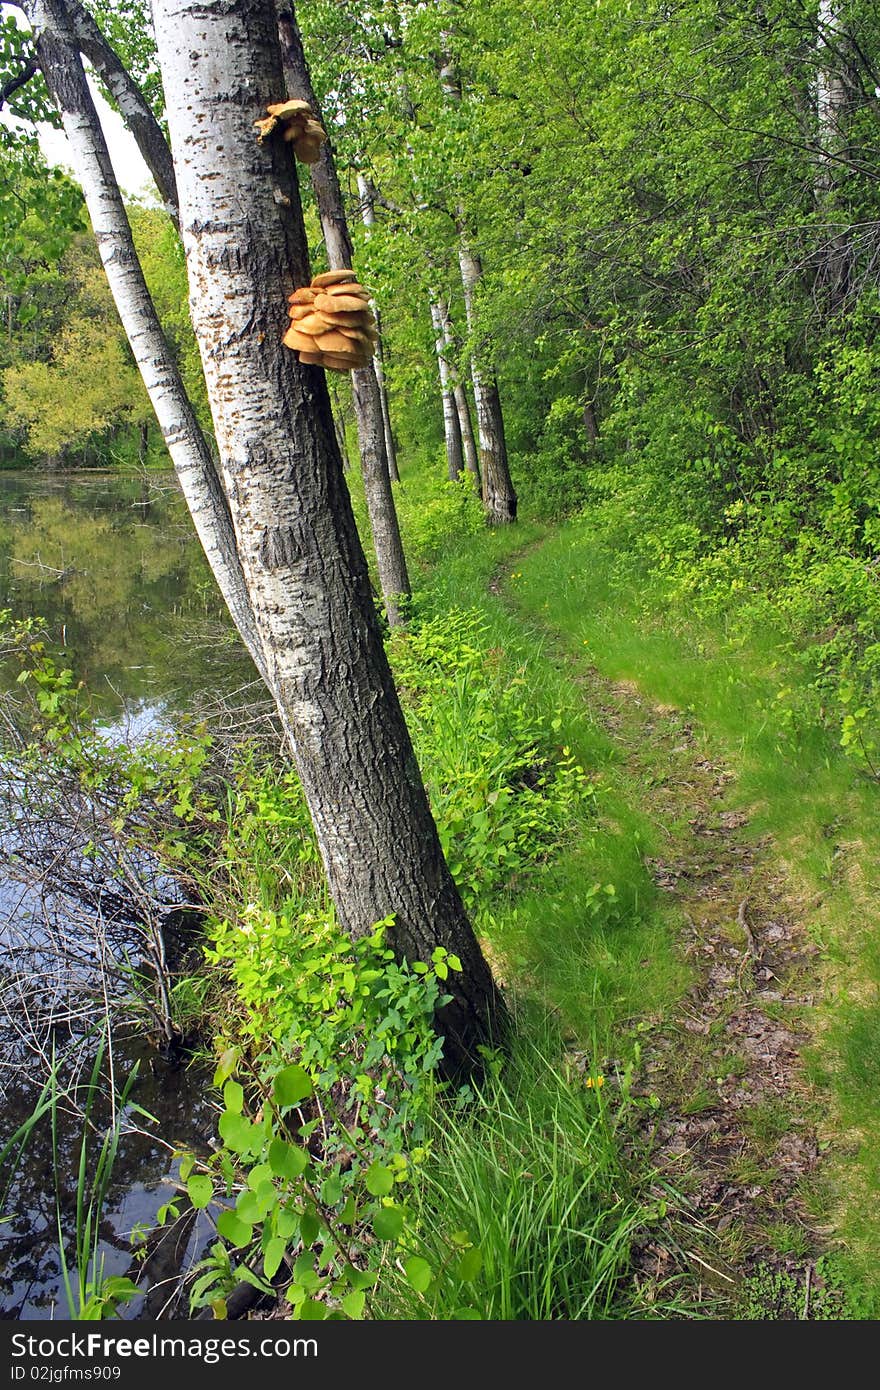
[(287, 1160), (200, 1189), (247, 1206), (331, 1191), (233, 1229), (286, 1223), (468, 1265), (273, 1256), (379, 1179), (236, 1132), (418, 1272), (388, 1222), (353, 1304), (291, 1085), (233, 1097), (310, 1310), (309, 1227), (359, 1278)]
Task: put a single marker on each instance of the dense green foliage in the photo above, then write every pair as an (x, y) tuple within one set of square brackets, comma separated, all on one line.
[(681, 282)]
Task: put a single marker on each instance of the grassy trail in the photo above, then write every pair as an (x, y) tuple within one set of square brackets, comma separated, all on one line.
[(723, 959)]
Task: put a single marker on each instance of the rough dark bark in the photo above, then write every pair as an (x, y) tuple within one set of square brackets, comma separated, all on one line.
[(591, 424), (296, 533), (379, 369), (14, 84), (387, 542)]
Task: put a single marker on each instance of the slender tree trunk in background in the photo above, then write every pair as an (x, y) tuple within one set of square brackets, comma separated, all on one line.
[(339, 426), (451, 427), (200, 484), (499, 498), (246, 250), (591, 424), (379, 369), (390, 559), (368, 214), (469, 444)]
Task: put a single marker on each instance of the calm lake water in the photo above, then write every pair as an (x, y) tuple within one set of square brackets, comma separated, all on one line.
[(114, 568)]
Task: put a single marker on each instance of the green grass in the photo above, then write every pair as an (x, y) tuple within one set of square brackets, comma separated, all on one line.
[(529, 1178), (821, 811)]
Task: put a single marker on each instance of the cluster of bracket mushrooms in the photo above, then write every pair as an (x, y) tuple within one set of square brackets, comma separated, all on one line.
[(332, 324), (298, 125)]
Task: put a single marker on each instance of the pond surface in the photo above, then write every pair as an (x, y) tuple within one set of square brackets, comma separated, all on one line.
[(113, 567)]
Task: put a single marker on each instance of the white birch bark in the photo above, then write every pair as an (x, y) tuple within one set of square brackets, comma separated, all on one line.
[(468, 443), (830, 87), (451, 427), (189, 452), (368, 216), (831, 100), (499, 498)]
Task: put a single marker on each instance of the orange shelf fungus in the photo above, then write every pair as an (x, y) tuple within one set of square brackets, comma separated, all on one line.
[(332, 324), (297, 124)]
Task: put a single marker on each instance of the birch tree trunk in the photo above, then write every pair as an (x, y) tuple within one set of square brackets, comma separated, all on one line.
[(245, 247), (368, 215), (499, 498), (200, 484), (390, 559), (469, 444), (451, 427)]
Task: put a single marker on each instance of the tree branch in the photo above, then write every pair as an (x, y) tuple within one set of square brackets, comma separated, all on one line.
[(30, 69)]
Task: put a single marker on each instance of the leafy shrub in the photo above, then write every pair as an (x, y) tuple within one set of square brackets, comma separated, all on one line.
[(503, 794)]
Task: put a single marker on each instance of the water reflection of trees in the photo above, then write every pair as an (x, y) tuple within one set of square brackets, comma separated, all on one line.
[(113, 567)]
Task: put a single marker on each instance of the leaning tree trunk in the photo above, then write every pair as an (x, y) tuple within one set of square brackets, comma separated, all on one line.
[(200, 484), (451, 427), (368, 215), (499, 498), (468, 443), (390, 559), (133, 105), (245, 247)]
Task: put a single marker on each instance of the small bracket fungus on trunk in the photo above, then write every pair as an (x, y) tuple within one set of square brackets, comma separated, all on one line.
[(296, 122), (332, 324)]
